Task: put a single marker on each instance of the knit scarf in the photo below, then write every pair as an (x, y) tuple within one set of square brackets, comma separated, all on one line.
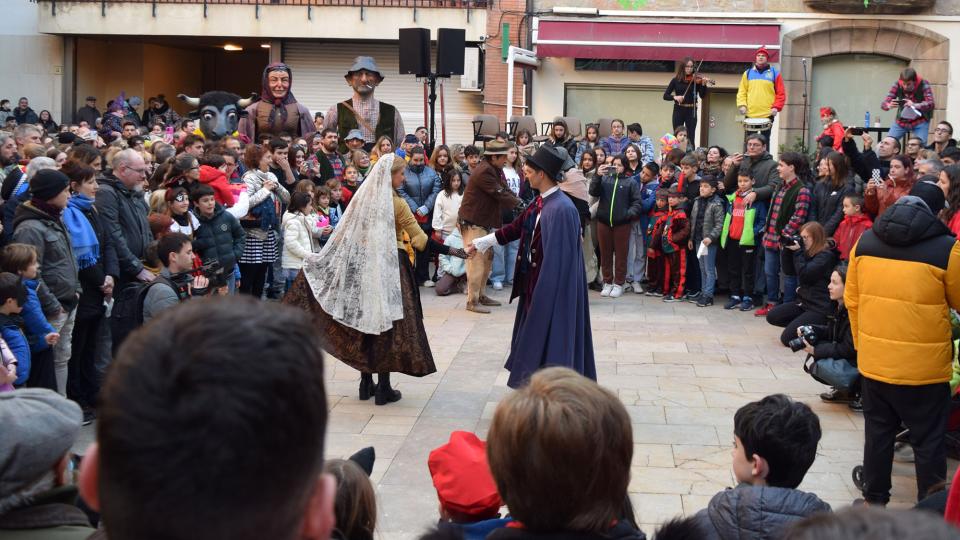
[(46, 208), (279, 104), (86, 247)]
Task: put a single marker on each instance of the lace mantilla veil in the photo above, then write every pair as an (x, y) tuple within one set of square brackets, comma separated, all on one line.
[(356, 276)]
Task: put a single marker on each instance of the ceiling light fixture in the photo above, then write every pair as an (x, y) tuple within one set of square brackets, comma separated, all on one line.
[(264, 45), (232, 48)]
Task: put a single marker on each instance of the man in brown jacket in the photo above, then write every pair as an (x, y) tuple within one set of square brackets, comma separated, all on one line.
[(487, 194)]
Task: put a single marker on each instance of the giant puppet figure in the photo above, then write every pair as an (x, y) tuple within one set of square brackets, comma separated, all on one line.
[(277, 111), (373, 118), (218, 113)]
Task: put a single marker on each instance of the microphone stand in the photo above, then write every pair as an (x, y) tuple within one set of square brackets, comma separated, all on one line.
[(803, 134)]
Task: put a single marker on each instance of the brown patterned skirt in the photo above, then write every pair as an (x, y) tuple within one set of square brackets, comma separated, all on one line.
[(402, 349)]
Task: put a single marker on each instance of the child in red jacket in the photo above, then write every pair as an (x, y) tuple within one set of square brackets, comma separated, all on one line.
[(832, 127), (654, 250), (854, 223), (670, 234)]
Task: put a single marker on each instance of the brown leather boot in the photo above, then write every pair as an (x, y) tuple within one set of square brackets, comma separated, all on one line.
[(487, 301), (477, 309)]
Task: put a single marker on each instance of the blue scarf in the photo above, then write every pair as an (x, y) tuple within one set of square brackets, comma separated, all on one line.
[(86, 247)]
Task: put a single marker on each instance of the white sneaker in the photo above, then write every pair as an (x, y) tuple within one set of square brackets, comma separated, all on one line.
[(607, 288), (637, 287), (497, 286), (616, 291), (429, 283)]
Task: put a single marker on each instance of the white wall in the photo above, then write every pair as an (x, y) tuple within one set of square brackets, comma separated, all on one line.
[(30, 61)]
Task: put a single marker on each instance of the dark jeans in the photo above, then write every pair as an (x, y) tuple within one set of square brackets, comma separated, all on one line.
[(42, 373), (741, 263), (83, 380), (924, 410), (791, 316), (252, 278)]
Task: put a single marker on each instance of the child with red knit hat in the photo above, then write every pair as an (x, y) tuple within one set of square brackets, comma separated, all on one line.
[(468, 495)]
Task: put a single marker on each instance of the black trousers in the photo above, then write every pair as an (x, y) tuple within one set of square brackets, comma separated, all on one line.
[(741, 263), (686, 117), (421, 266), (83, 380), (252, 278), (42, 373), (924, 410), (791, 316)]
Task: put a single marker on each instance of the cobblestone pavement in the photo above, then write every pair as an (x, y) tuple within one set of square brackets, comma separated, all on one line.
[(681, 371)]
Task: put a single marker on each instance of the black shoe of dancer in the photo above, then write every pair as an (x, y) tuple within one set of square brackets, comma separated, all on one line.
[(385, 394), (367, 386)]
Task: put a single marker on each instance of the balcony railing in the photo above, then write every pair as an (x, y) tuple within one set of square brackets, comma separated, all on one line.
[(457, 4)]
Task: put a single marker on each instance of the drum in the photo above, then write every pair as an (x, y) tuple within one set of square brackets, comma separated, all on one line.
[(757, 124)]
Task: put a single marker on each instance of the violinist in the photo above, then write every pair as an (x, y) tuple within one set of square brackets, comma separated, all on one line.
[(684, 90)]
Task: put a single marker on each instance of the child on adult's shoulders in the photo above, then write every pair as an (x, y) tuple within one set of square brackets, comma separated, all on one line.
[(774, 444)]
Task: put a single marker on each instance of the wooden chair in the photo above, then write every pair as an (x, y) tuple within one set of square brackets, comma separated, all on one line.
[(603, 127), (574, 126)]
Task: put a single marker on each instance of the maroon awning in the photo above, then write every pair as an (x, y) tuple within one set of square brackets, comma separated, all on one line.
[(620, 40)]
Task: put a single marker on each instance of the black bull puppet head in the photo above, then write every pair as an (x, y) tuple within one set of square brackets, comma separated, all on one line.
[(218, 113)]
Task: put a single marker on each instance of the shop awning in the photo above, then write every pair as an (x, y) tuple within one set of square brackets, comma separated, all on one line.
[(620, 40)]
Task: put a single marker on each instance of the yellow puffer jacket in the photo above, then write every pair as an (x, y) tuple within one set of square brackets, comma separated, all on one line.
[(903, 277)]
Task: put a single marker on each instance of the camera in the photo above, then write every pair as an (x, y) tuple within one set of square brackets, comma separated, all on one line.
[(806, 335), (213, 271), (791, 240)]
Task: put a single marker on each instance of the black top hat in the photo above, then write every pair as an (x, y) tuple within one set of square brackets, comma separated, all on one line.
[(548, 160)]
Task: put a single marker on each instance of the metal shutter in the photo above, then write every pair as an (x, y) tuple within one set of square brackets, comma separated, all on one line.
[(319, 67)]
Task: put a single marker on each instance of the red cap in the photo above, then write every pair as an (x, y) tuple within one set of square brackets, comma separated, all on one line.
[(763, 50), (462, 477)]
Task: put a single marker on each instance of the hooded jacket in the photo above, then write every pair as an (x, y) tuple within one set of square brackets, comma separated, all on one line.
[(217, 179), (621, 199), (756, 513), (219, 237), (58, 266), (902, 280), (827, 206), (849, 231), (300, 238)]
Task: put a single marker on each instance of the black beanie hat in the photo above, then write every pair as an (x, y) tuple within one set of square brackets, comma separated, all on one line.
[(66, 138), (48, 183), (931, 194)]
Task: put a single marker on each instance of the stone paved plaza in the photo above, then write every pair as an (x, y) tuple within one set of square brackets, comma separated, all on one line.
[(681, 371)]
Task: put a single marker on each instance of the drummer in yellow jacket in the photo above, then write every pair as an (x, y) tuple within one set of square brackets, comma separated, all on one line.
[(762, 93), (903, 278)]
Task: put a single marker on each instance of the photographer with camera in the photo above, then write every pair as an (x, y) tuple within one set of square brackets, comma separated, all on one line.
[(175, 283), (814, 257), (831, 355)]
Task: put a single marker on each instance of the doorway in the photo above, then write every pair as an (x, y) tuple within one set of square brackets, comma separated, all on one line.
[(720, 121)]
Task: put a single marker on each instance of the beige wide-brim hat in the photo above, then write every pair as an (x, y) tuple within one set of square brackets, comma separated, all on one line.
[(496, 148)]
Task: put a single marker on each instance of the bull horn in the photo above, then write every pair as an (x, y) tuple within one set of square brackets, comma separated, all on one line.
[(244, 102), (192, 101)]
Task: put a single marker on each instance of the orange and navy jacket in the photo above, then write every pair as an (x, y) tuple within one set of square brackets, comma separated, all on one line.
[(760, 91)]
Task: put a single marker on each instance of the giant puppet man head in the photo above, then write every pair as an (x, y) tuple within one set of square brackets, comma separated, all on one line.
[(218, 113)]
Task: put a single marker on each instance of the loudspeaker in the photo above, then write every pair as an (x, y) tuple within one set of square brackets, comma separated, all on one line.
[(451, 44), (415, 51)]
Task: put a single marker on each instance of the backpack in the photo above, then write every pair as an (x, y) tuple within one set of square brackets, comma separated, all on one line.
[(127, 313)]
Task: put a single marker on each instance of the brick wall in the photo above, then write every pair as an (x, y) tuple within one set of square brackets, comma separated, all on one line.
[(495, 69)]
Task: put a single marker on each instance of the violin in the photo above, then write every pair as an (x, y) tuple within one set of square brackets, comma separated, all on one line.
[(701, 80)]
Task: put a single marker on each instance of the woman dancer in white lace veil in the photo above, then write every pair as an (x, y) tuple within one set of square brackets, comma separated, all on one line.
[(361, 287)]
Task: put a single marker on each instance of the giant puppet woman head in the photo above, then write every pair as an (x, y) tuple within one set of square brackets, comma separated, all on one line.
[(277, 111)]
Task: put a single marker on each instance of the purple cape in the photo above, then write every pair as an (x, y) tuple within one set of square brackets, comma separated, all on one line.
[(555, 329)]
